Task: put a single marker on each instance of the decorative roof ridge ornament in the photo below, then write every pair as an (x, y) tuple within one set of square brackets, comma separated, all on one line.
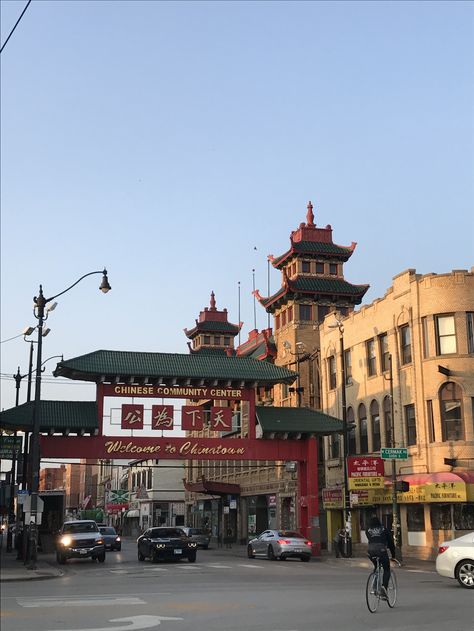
[(310, 216), (213, 301)]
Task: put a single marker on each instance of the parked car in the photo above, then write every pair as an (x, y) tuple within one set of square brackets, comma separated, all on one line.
[(80, 539), (166, 543), (456, 560), (111, 539), (199, 536), (280, 544)]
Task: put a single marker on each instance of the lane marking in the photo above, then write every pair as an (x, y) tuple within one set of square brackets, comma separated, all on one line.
[(138, 622), (257, 567), (220, 567), (79, 602)]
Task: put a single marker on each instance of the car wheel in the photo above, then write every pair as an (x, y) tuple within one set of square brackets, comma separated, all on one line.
[(192, 558), (270, 554), (60, 558), (305, 558), (118, 548), (140, 556), (250, 552), (101, 557), (464, 573)]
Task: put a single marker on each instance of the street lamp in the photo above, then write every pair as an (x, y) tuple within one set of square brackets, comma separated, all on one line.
[(40, 312), (346, 494)]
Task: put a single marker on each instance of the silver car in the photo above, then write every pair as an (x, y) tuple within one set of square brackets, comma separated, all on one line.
[(199, 536), (280, 544)]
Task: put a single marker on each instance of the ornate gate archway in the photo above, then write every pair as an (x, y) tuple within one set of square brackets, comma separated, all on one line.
[(134, 416)]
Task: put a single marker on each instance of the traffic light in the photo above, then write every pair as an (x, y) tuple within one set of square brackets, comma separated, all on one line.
[(402, 486)]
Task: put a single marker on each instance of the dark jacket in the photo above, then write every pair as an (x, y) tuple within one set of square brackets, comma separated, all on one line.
[(379, 540)]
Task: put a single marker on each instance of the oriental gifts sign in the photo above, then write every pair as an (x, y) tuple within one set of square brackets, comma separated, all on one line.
[(365, 473)]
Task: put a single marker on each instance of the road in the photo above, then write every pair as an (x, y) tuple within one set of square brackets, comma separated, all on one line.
[(226, 592)]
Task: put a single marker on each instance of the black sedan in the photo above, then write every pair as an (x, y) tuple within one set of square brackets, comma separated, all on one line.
[(165, 543)]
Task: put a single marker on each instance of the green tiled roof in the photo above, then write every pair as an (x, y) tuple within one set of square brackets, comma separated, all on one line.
[(211, 326), (60, 415), (315, 285), (296, 420), (315, 248), (124, 365)]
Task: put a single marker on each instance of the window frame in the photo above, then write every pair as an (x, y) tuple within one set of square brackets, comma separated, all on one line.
[(470, 331), (445, 337), (405, 344), (371, 357), (332, 372), (384, 352), (374, 412), (363, 429), (447, 431), (410, 424), (302, 314)]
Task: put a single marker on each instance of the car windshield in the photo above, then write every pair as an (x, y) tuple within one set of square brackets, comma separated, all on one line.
[(290, 533), (107, 531), (86, 526), (166, 533), (195, 531)]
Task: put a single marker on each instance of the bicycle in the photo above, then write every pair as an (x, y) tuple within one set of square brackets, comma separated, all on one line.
[(373, 591)]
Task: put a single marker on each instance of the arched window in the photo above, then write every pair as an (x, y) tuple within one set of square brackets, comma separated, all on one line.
[(363, 437), (387, 419), (375, 422), (450, 403), (351, 448)]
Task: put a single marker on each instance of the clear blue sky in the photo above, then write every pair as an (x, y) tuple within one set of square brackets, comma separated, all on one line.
[(167, 140)]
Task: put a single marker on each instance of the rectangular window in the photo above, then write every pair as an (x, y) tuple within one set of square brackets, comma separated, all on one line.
[(283, 318), (284, 391), (332, 372), (429, 413), (384, 354), (440, 516), (290, 314), (333, 269), (319, 268), (424, 332), (364, 439), (416, 517), (470, 331), (305, 267), (405, 344), (149, 483), (226, 341), (305, 312), (217, 340), (371, 359), (323, 310), (335, 445), (410, 424), (445, 335), (207, 339), (348, 367)]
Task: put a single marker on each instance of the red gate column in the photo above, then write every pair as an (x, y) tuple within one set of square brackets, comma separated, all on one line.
[(308, 505)]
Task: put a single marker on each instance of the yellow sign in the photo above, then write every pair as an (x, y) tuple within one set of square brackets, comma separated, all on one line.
[(376, 482), (446, 492)]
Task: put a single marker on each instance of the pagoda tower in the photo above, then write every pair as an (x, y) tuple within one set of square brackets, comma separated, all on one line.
[(213, 333), (312, 285)]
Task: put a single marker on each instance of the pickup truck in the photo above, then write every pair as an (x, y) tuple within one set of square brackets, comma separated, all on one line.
[(80, 539)]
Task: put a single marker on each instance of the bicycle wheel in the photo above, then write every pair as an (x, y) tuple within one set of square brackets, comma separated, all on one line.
[(392, 590), (372, 592)]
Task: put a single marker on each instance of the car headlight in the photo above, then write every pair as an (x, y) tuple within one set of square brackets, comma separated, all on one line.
[(117, 539), (192, 544), (99, 542), (161, 545), (66, 541)]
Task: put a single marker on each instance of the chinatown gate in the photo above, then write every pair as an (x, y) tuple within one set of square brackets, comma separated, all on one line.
[(144, 399)]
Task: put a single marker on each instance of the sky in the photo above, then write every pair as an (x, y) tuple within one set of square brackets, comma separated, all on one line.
[(178, 143)]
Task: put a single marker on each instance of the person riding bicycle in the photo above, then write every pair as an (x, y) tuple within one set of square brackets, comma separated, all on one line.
[(379, 540)]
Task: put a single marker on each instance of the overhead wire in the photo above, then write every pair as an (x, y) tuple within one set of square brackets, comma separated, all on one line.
[(16, 24)]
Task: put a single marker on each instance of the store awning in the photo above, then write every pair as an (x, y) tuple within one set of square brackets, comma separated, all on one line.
[(209, 487), (133, 513)]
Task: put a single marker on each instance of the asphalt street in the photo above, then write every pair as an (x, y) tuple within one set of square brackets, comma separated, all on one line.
[(225, 591)]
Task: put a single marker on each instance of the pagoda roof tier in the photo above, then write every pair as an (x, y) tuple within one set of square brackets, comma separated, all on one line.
[(129, 367), (77, 417), (314, 288), (312, 241), (295, 422), (211, 320), (259, 345), (313, 249)]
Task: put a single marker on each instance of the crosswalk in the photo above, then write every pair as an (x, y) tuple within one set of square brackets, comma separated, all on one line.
[(185, 567)]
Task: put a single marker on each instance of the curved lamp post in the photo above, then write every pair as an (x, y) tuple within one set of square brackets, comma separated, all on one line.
[(41, 314)]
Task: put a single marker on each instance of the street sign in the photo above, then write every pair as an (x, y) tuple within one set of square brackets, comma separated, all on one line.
[(365, 472), (394, 453), (10, 445)]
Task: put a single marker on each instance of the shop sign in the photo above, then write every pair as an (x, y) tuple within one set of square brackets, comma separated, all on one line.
[(10, 445), (446, 492), (271, 500), (365, 473), (332, 498)]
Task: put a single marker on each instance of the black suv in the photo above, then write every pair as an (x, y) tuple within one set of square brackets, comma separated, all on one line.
[(80, 539), (166, 543)]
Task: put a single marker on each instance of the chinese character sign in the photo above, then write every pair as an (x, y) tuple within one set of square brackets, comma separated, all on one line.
[(161, 417), (365, 473), (221, 419), (132, 416), (191, 418)]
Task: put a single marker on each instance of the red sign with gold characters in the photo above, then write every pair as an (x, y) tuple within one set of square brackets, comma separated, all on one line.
[(132, 416), (192, 417), (161, 417), (221, 419)]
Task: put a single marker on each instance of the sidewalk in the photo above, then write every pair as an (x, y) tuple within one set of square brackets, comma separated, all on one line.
[(13, 570)]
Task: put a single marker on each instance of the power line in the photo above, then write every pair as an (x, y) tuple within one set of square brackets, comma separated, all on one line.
[(15, 336), (16, 24)]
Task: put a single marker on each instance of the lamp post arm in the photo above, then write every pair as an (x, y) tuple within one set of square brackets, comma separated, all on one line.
[(104, 272)]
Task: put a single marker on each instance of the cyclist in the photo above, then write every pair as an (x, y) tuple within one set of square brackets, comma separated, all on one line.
[(379, 540)]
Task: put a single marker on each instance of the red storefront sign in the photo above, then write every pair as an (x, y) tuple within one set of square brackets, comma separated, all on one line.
[(161, 417), (360, 467)]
